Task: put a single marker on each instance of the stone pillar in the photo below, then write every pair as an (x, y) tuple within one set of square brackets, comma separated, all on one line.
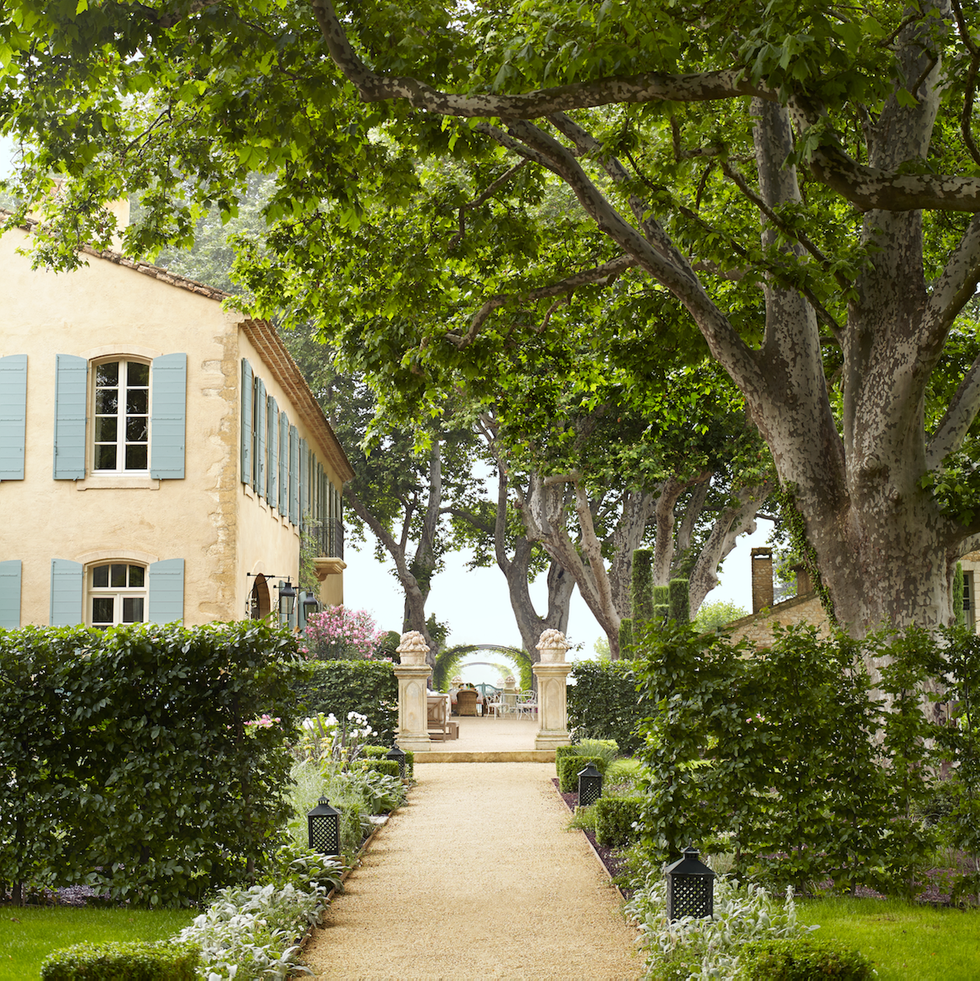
[(413, 674), (552, 674)]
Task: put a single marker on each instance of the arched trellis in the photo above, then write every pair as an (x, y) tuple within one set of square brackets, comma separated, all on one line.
[(448, 660)]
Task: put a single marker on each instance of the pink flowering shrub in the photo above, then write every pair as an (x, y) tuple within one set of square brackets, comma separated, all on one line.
[(339, 634)]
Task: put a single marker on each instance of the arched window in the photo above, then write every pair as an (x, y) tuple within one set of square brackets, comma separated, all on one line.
[(122, 415), (117, 593)]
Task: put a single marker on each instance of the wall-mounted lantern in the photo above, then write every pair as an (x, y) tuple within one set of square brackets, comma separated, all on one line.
[(310, 605), (690, 887), (589, 785), (287, 600), (324, 823)]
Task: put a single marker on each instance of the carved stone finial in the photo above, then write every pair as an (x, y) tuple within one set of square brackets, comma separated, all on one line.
[(412, 648), (552, 646)]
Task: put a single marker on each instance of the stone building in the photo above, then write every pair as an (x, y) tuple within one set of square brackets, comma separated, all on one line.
[(805, 606), (160, 457)]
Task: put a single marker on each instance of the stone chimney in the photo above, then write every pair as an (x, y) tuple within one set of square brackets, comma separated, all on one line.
[(803, 584), (762, 594)]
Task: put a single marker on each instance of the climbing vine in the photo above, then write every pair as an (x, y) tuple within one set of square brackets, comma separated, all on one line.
[(796, 526)]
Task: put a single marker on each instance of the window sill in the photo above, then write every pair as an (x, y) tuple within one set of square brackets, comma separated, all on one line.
[(116, 482)]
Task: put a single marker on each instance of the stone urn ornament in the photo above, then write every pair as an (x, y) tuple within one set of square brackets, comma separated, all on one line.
[(413, 648)]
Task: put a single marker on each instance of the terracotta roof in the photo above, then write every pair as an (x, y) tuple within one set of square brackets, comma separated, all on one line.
[(266, 339), (144, 268)]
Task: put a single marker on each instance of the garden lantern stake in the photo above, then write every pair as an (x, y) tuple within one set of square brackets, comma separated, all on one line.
[(324, 822), (690, 887), (589, 785), (398, 755)]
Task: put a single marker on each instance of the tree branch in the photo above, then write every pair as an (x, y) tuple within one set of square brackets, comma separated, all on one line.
[(956, 422), (481, 199), (871, 189), (645, 87), (587, 277)]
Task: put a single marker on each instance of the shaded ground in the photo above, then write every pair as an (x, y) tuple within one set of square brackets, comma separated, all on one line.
[(478, 877)]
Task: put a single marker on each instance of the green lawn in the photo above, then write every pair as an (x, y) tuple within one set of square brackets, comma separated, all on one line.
[(29, 933), (906, 942)]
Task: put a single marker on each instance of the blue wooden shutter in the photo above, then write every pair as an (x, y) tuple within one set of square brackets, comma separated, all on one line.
[(69, 417), (304, 482), (259, 463), (66, 593), (273, 469), (168, 392), (246, 422), (10, 573), (13, 416), (166, 582), (293, 475), (283, 463)]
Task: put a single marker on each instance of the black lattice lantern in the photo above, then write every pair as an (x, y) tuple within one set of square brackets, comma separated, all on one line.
[(398, 755), (324, 822), (589, 785), (690, 888)]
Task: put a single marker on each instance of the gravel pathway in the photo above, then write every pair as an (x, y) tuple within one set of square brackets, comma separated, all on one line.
[(477, 878)]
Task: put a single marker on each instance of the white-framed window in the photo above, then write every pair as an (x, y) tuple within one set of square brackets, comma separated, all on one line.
[(117, 594), (122, 417)]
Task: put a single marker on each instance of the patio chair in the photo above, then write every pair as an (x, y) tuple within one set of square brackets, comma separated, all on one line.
[(527, 705)]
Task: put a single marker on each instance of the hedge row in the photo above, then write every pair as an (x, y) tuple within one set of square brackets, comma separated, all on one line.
[(128, 761), (603, 704), (338, 688)]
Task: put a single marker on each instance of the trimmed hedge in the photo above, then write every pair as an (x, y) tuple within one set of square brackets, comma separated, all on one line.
[(603, 703), (137, 768), (802, 959), (568, 770), (614, 820), (139, 961), (380, 752), (388, 767), (338, 688)]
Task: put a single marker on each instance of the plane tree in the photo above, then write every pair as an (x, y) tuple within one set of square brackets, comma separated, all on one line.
[(796, 184)]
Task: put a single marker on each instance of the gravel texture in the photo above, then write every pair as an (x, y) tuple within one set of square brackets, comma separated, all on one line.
[(478, 877)]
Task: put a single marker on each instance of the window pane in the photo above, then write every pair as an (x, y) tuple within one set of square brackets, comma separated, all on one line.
[(136, 431), (100, 576), (136, 573), (106, 402), (136, 456), (107, 374), (105, 458), (132, 609), (137, 401), (138, 374), (105, 429), (117, 577), (102, 610)]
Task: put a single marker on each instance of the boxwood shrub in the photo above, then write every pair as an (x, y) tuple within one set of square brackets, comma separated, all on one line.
[(614, 819), (138, 961), (800, 959), (390, 767)]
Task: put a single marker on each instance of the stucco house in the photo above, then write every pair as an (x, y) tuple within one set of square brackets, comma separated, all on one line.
[(160, 457)]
